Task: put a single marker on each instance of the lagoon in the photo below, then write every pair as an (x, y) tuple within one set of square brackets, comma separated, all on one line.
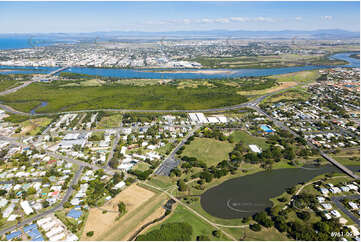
[(244, 196)]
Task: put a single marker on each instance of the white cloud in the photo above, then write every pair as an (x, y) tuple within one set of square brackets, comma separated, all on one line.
[(327, 18), (239, 19), (206, 21), (222, 20), (263, 19), (187, 21), (213, 20), (299, 18)]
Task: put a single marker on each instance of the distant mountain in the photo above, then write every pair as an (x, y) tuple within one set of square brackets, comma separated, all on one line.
[(331, 34)]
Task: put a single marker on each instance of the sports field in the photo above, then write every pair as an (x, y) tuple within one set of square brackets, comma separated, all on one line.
[(210, 151)]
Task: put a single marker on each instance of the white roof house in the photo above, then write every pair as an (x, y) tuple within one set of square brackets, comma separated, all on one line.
[(43, 221), (49, 225), (326, 206), (335, 190), (255, 148), (335, 213), (8, 210), (353, 205), (54, 231), (3, 202), (26, 207), (119, 185), (57, 237)]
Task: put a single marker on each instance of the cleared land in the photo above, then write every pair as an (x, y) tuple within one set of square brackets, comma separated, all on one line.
[(34, 126), (103, 223), (125, 227), (302, 76), (210, 151), (291, 95)]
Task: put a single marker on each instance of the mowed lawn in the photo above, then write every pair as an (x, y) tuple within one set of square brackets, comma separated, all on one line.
[(199, 226), (246, 139), (208, 150)]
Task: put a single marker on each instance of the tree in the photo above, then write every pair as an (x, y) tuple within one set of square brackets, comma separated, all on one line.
[(203, 238), (2, 192), (322, 227), (289, 153), (182, 186), (121, 207), (304, 215), (45, 204), (90, 233), (31, 191), (255, 227), (216, 233)]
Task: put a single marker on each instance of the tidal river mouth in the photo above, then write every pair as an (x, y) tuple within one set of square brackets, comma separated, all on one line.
[(247, 195)]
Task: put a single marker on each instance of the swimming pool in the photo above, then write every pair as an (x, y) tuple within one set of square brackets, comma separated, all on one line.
[(265, 128)]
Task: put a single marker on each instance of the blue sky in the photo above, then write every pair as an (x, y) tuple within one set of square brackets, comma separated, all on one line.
[(46, 17)]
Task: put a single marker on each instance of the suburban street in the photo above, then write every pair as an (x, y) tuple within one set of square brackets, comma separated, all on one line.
[(66, 197), (171, 162), (337, 201)]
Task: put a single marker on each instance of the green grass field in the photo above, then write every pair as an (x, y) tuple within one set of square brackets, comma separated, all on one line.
[(112, 121), (200, 227), (142, 166), (210, 151), (246, 139), (120, 96)]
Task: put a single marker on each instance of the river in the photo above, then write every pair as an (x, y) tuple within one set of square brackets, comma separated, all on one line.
[(186, 73), (246, 195)]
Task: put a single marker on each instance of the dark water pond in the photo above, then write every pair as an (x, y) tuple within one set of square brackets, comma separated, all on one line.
[(246, 195)]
